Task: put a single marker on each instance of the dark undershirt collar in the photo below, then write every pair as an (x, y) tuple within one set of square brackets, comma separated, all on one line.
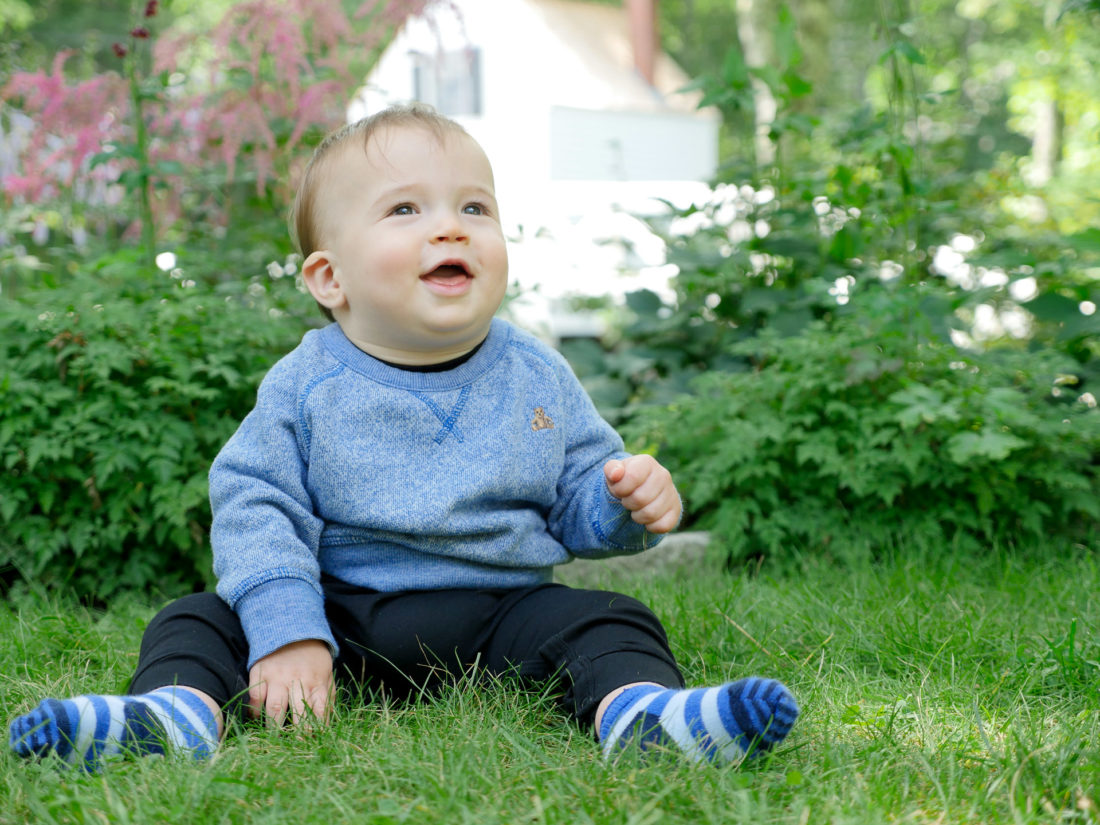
[(441, 367)]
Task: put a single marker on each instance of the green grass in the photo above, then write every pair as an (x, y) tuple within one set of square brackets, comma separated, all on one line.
[(934, 690)]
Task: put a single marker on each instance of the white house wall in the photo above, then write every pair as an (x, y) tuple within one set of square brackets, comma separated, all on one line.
[(630, 146)]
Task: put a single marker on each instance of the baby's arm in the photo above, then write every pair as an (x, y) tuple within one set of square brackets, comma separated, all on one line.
[(295, 677), (265, 536), (645, 488)]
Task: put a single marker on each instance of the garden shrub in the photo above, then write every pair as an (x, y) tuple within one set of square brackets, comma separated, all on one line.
[(115, 395), (867, 431)]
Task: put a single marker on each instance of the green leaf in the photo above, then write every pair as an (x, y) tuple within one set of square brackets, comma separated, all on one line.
[(127, 151), (986, 444), (797, 86), (791, 321), (734, 71), (771, 77), (904, 49), (168, 167), (1054, 308), (910, 52), (847, 243), (922, 405), (763, 299), (1009, 258), (644, 302), (1086, 241), (584, 355), (787, 51), (817, 450), (789, 246), (607, 393), (9, 503)]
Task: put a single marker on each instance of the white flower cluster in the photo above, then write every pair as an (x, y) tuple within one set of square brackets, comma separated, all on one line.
[(288, 268)]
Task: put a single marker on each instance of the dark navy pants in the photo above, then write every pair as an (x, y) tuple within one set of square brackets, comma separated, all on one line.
[(588, 641)]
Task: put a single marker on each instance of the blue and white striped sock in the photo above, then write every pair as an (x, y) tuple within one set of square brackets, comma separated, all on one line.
[(86, 730), (719, 724)]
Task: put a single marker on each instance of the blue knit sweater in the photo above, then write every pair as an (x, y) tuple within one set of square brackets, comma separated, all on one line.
[(483, 476)]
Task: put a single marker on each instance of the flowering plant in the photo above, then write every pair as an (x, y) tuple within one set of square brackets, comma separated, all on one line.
[(191, 114)]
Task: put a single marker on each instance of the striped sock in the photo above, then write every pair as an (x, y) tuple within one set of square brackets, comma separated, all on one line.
[(719, 724), (86, 730)]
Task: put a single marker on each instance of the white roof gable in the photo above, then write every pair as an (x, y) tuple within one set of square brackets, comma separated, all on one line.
[(600, 74), (559, 52)]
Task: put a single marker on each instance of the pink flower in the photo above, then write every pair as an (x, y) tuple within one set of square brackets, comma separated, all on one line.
[(22, 186), (292, 53), (71, 124)]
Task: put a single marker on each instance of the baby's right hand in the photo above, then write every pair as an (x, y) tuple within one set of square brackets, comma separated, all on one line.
[(295, 677)]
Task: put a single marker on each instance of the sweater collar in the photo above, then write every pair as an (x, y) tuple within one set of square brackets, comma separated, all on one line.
[(482, 361)]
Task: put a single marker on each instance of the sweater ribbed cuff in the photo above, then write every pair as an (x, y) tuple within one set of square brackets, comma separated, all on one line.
[(282, 611), (618, 530)]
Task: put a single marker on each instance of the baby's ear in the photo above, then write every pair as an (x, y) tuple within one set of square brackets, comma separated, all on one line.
[(320, 274)]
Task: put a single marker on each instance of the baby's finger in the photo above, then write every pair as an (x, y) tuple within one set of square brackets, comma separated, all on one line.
[(631, 474), (318, 706), (309, 703), (613, 472), (651, 509), (658, 519), (295, 711), (277, 705), (257, 697), (649, 482)]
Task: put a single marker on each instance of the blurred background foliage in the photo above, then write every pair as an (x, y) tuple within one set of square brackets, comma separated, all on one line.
[(884, 323), (906, 214)]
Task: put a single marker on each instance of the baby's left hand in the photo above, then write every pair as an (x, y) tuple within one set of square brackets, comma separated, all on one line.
[(645, 488)]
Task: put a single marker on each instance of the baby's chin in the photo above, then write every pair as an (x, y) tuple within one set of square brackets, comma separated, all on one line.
[(443, 345)]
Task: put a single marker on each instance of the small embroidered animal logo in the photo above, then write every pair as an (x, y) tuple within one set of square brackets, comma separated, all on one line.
[(542, 421)]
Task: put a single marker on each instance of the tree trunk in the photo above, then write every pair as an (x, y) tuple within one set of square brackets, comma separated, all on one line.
[(1046, 145), (753, 38)]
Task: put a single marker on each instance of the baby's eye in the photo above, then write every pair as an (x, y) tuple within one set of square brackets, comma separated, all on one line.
[(474, 209), (403, 209)]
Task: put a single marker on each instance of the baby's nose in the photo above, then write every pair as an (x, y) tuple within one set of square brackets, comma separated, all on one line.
[(449, 228)]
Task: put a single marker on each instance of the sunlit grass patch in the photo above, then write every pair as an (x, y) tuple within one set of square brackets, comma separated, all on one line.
[(954, 690)]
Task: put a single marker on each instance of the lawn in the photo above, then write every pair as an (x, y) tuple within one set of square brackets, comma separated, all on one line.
[(934, 690)]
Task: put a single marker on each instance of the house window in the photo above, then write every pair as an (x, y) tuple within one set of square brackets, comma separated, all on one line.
[(449, 81)]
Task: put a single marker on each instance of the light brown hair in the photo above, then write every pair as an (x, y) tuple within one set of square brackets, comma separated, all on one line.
[(304, 222)]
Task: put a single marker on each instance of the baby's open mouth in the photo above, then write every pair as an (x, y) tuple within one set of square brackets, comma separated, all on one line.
[(447, 274)]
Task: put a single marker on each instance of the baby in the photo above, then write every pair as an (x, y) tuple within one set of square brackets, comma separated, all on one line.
[(389, 514)]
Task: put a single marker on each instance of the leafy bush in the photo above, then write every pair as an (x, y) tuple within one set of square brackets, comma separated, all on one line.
[(115, 395), (818, 299), (876, 429)]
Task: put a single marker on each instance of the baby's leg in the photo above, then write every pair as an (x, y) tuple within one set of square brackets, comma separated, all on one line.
[(86, 730), (720, 724), (622, 678), (192, 664)]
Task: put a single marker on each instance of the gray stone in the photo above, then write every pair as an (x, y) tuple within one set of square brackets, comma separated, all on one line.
[(675, 552)]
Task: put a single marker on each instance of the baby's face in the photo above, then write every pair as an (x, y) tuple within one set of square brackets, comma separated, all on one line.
[(414, 240)]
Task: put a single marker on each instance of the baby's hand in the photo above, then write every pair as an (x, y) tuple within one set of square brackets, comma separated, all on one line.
[(645, 488), (295, 677)]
